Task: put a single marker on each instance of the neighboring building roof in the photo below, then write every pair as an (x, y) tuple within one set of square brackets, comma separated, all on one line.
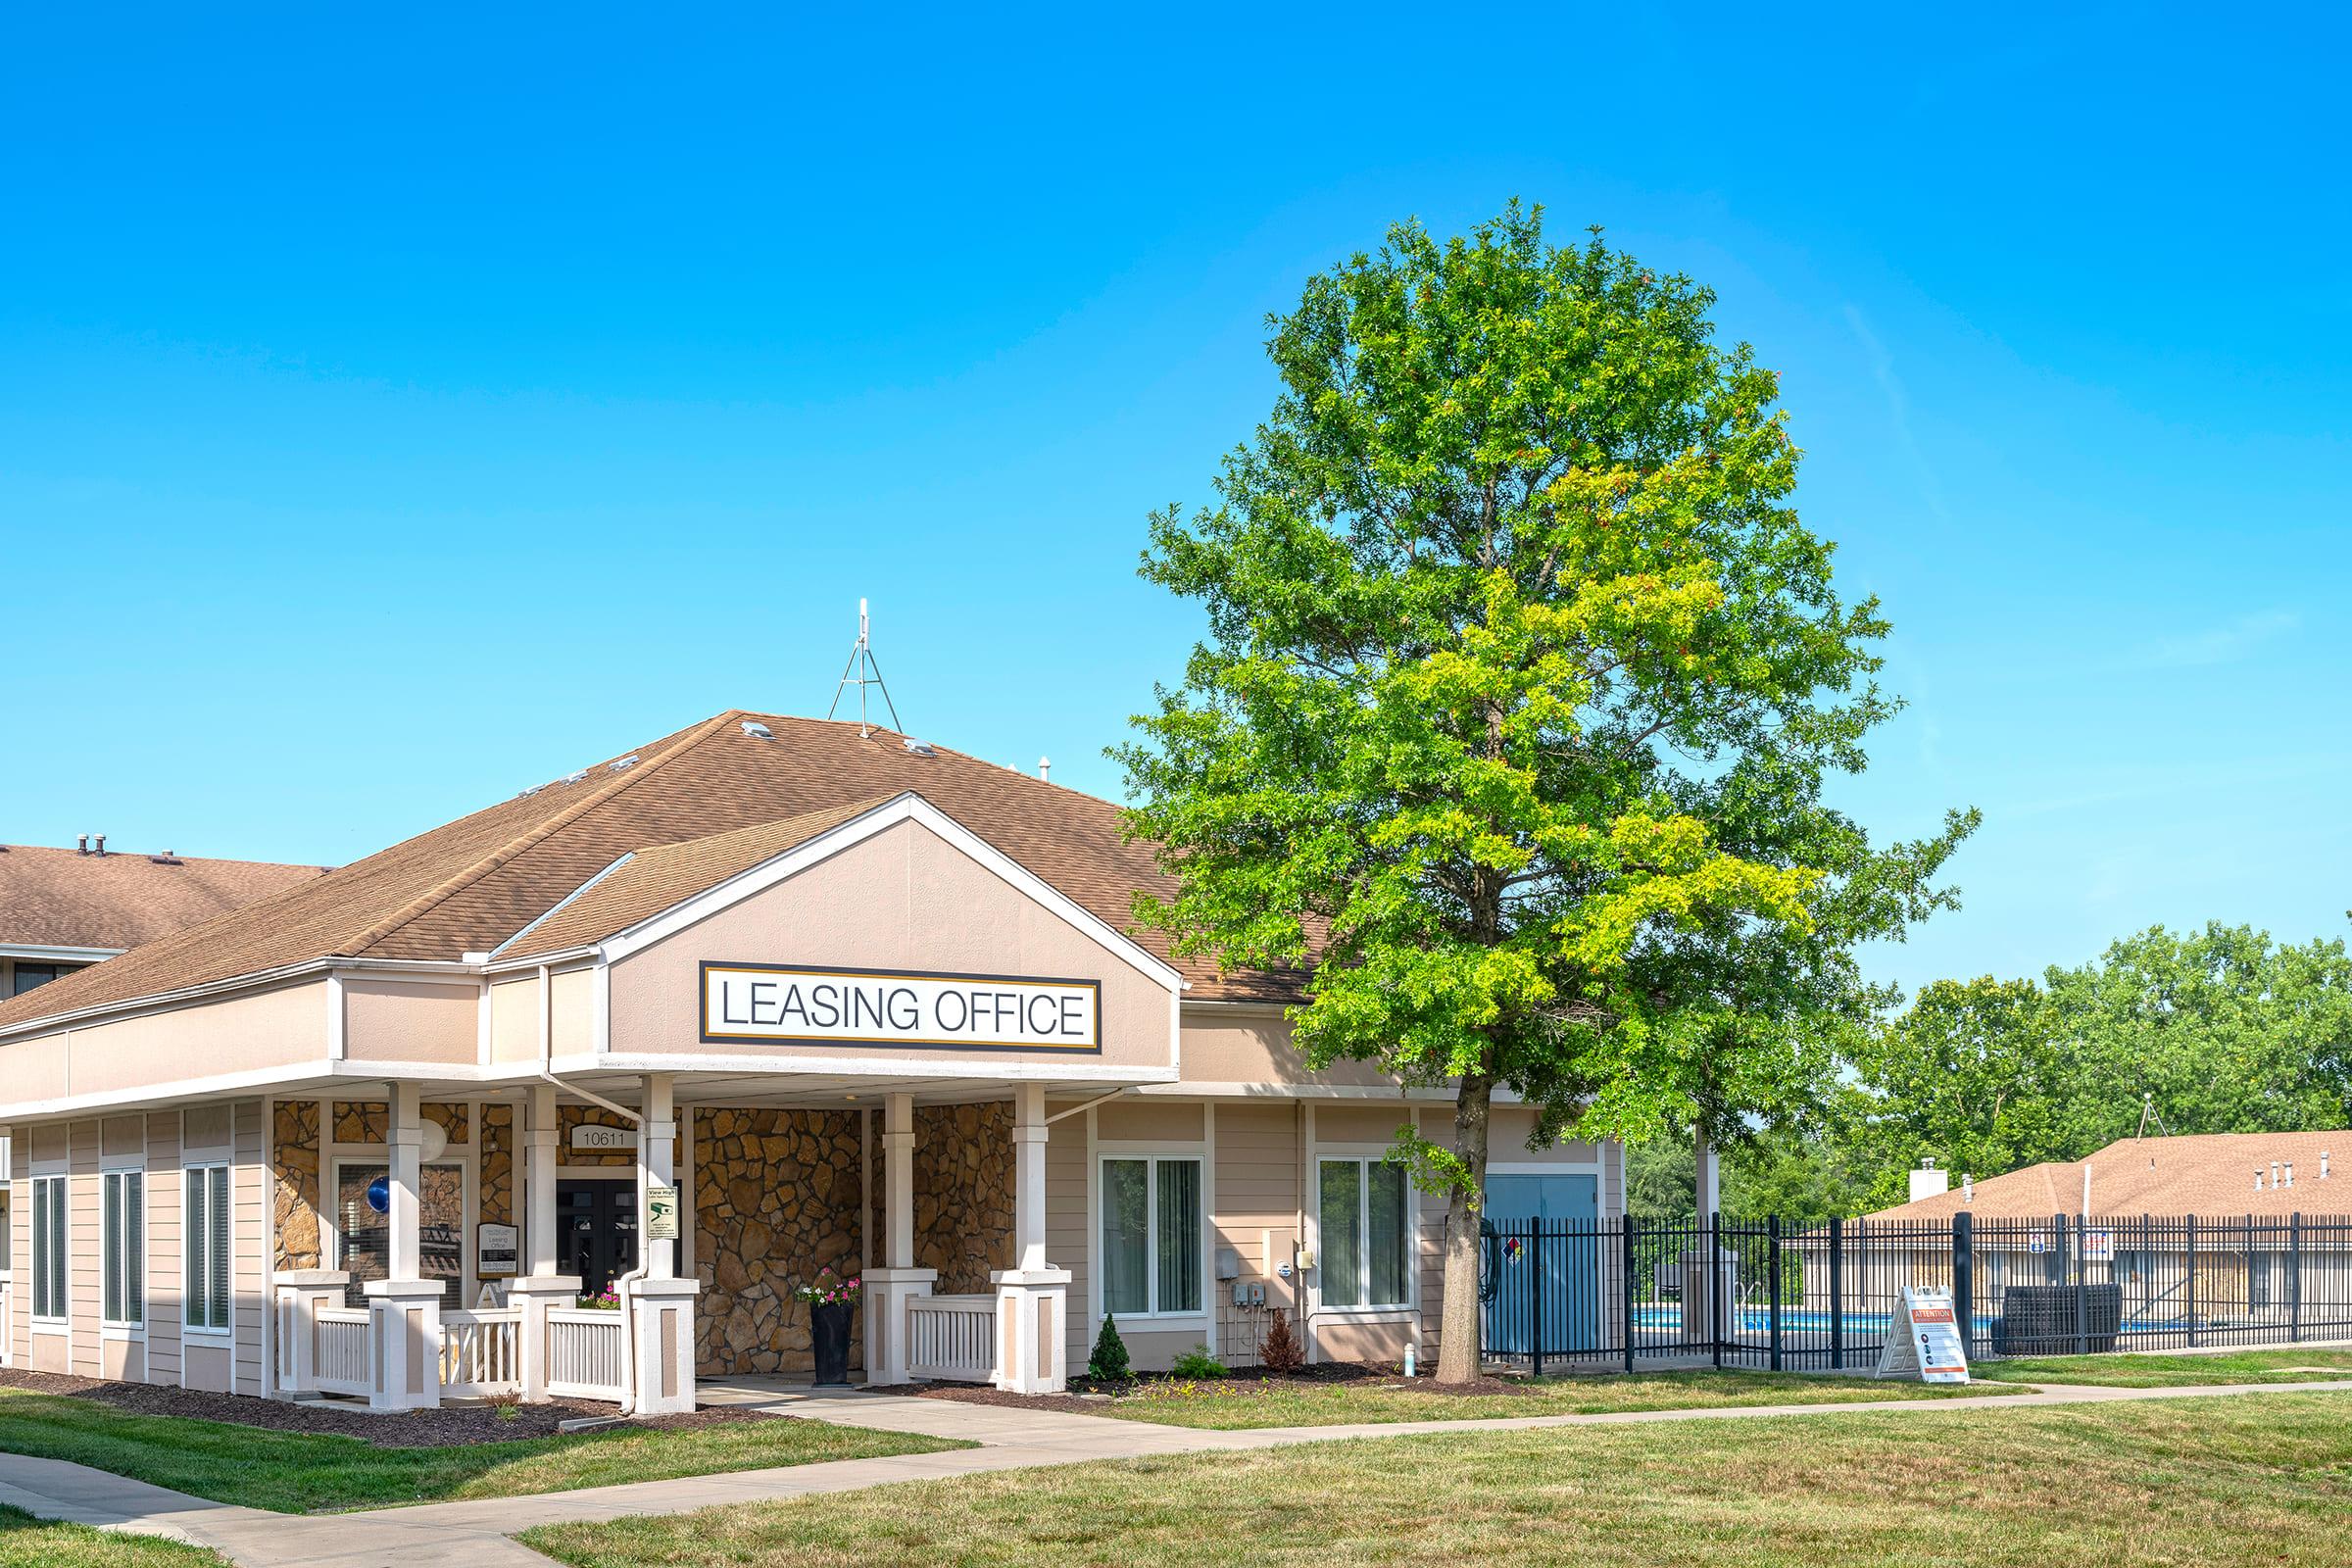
[(61, 898), (2202, 1173), (470, 885)]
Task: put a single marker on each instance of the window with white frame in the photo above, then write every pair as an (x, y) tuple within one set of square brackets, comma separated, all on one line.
[(205, 1245), (1150, 1234), (122, 1249), (1365, 1211), (49, 1247)]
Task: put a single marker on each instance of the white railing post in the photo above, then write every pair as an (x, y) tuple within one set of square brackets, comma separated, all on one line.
[(664, 1313), (1032, 1299), (535, 1296), (300, 1293), (7, 1305)]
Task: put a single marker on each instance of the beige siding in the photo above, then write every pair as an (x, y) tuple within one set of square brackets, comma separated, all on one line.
[(252, 1245), (18, 1329), (164, 1220), (1068, 1217), (82, 1284), (1257, 1216)]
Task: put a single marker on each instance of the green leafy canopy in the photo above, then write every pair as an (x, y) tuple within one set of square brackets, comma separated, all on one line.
[(1521, 686)]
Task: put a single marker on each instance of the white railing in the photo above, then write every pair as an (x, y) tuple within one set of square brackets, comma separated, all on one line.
[(343, 1364), (481, 1353), (587, 1355), (6, 1285), (951, 1338)]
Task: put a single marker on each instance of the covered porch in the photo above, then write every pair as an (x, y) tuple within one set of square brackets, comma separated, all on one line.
[(614, 1236)]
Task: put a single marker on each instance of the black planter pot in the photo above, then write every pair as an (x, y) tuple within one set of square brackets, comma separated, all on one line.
[(829, 1328)]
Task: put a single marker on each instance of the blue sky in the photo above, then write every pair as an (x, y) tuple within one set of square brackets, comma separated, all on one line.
[(399, 409)]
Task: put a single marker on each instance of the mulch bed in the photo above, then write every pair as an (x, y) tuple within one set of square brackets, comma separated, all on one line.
[(447, 1427), (1245, 1384)]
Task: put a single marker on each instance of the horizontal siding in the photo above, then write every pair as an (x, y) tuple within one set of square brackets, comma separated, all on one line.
[(162, 1247), (250, 1200), (1066, 1222), (83, 1285)]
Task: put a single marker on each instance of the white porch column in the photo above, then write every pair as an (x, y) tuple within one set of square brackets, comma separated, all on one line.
[(1707, 1271), (887, 1290), (1033, 1298), (542, 1287), (405, 1308), (663, 1304), (1710, 1178)]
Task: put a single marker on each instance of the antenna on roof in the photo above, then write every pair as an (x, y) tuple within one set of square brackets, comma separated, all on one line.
[(862, 672)]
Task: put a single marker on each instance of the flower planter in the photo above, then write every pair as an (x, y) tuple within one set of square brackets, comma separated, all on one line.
[(829, 1329)]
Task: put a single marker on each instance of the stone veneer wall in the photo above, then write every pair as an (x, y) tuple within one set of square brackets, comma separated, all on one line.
[(963, 1194), (777, 1198), (495, 1195), (294, 1182)]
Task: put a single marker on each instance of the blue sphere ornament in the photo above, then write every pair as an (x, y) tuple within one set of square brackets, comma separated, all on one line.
[(380, 1194)]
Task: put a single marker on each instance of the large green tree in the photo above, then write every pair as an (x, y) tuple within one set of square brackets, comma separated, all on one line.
[(2219, 1030), (1521, 685)]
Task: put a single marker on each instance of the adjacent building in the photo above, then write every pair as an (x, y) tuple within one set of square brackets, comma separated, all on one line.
[(672, 1033)]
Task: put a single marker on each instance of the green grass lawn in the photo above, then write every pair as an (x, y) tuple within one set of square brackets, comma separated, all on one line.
[(1240, 1402), (27, 1542), (296, 1472), (2204, 1484), (2173, 1371)]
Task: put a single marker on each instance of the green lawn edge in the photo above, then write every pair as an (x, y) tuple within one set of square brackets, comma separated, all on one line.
[(1243, 1403), (30, 1543), (2187, 1483), (294, 1472), (2145, 1370)]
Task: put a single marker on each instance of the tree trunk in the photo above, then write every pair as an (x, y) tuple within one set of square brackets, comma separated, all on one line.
[(1458, 1325)]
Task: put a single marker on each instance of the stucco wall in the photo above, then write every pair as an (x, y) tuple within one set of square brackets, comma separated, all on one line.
[(211, 1040), (386, 1021), (902, 900)]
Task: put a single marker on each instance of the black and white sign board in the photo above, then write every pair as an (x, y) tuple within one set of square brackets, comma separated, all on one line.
[(784, 1003), (1924, 1340)]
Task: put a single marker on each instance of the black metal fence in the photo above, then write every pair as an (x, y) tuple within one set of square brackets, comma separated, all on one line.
[(1765, 1294)]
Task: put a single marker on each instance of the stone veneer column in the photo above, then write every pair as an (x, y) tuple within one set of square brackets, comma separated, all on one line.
[(1032, 1299), (887, 1290)]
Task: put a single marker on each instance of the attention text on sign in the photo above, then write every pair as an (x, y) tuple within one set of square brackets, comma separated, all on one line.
[(882, 1007)]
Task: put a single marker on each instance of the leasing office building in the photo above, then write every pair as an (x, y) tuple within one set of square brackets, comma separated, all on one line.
[(765, 997)]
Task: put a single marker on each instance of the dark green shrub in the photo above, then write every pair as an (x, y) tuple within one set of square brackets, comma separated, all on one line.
[(1198, 1365), (1108, 1362)]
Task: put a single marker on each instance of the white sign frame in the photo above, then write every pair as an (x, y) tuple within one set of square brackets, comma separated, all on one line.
[(1925, 1341), (906, 1010)]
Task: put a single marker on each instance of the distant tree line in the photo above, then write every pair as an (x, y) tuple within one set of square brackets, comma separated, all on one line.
[(2221, 1030)]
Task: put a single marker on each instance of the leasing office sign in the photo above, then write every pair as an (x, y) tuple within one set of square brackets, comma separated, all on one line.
[(762, 1002)]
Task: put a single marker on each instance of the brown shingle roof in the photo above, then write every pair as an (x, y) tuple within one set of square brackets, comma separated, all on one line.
[(60, 897), (469, 885), (2195, 1173)]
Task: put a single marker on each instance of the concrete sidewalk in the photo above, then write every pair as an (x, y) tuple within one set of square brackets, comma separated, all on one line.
[(476, 1535)]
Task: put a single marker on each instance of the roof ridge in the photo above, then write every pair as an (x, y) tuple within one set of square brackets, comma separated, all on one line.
[(449, 887)]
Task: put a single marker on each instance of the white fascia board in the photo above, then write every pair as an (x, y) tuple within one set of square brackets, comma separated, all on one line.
[(43, 953), (284, 1076), (865, 1067), (210, 990), (906, 807)]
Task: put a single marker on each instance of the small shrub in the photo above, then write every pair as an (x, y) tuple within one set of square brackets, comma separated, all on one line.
[(1198, 1365), (1279, 1352), (1108, 1362)]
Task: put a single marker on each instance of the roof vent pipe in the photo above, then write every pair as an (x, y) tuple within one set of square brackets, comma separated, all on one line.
[(2258, 1178), (2322, 1164), (81, 845), (2290, 1175), (98, 843), (2274, 1175), (1044, 769), (1968, 1189)]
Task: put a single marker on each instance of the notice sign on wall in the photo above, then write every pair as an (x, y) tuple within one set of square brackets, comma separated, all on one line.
[(1924, 1340), (905, 1009)]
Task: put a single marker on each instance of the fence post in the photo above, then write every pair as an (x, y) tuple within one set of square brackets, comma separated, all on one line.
[(1534, 1338), (1837, 1295), (1712, 1273), (1964, 1277), (1772, 1278), (2294, 1277), (2189, 1286), (1627, 1232), (2082, 1258)]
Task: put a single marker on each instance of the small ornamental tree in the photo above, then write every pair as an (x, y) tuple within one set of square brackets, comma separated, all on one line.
[(1108, 1362), (1279, 1351), (1521, 683)]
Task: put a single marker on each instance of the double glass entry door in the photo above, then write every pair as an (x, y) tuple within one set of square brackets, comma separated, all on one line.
[(596, 1232)]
